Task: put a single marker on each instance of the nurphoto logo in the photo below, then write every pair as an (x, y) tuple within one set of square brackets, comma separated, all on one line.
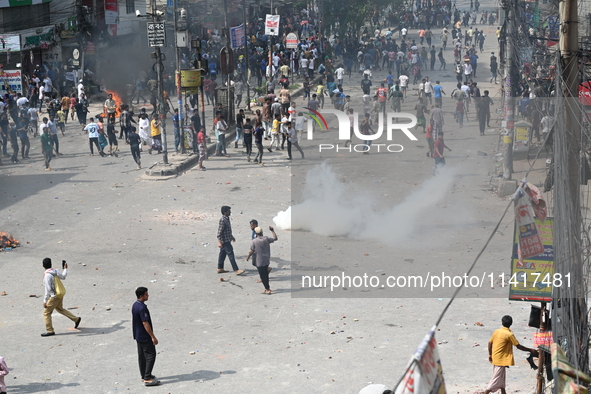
[(347, 127)]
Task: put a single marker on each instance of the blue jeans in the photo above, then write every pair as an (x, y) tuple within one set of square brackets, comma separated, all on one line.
[(227, 250), (221, 147), (177, 138), (239, 135)]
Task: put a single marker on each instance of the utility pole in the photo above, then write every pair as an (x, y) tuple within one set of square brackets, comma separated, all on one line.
[(570, 304), (246, 55), (178, 78), (509, 86), (229, 59), (160, 105), (270, 38), (569, 48)]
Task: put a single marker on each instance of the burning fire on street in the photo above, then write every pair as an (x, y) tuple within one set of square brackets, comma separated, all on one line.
[(118, 102)]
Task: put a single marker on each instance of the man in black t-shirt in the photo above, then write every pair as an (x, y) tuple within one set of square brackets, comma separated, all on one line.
[(365, 84), (239, 125), (247, 129), (112, 137), (134, 143), (144, 336), (196, 123), (258, 140)]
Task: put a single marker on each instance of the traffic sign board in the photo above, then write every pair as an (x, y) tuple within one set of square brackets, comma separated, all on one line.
[(156, 34)]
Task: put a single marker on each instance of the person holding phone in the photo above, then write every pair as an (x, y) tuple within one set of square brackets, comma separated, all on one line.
[(53, 300)]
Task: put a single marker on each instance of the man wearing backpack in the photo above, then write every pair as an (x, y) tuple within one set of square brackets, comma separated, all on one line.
[(54, 296)]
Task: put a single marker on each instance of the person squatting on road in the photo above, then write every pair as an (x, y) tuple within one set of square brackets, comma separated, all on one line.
[(143, 333), (261, 245), (54, 296), (225, 239)]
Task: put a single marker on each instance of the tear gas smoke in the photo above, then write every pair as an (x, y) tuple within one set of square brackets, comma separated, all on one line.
[(329, 209)]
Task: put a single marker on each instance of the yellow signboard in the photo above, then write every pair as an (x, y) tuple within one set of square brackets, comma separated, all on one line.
[(532, 279), (521, 133), (190, 78)]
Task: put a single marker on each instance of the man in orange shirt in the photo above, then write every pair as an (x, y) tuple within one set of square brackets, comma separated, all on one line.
[(500, 354), (382, 93)]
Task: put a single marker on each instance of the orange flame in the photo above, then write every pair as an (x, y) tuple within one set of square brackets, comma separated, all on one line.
[(8, 241), (118, 102)]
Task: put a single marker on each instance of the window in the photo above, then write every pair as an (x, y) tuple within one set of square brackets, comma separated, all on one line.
[(130, 6), (25, 17)]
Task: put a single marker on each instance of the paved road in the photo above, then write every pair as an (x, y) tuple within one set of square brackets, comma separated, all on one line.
[(118, 232)]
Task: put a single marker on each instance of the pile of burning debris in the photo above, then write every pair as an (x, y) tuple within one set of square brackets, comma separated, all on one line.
[(7, 241)]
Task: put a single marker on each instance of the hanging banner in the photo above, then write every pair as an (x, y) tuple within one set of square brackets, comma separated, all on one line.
[(530, 243), (532, 279), (585, 93), (237, 36), (11, 81), (272, 25), (10, 43), (291, 41), (111, 12), (425, 376)]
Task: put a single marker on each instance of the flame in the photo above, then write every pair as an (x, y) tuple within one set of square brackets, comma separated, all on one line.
[(118, 102), (7, 241)]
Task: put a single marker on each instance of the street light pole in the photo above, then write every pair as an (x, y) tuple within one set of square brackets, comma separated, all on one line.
[(247, 55), (178, 79), (160, 105), (509, 86)]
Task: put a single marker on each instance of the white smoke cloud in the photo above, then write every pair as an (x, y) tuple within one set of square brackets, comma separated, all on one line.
[(329, 209)]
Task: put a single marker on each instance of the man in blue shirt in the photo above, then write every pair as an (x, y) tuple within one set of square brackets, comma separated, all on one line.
[(390, 80), (177, 132), (144, 335), (437, 93), (474, 63)]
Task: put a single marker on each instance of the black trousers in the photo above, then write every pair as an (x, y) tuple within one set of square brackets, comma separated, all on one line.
[(93, 141), (146, 355), (135, 152), (259, 156), (248, 143), (264, 274)]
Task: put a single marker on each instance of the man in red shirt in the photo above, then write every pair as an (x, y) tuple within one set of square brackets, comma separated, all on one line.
[(438, 153), (382, 94)]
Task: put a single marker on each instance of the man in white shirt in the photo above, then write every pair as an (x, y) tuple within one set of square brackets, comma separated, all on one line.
[(467, 70), (403, 83), (428, 90), (339, 73), (93, 133), (80, 89), (51, 301), (466, 89), (403, 32), (303, 65), (33, 119), (41, 95), (48, 89), (21, 101), (311, 68)]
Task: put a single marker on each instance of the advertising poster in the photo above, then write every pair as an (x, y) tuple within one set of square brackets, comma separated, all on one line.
[(532, 278)]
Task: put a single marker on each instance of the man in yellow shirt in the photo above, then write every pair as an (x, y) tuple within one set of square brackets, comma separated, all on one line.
[(500, 354), (156, 137)]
